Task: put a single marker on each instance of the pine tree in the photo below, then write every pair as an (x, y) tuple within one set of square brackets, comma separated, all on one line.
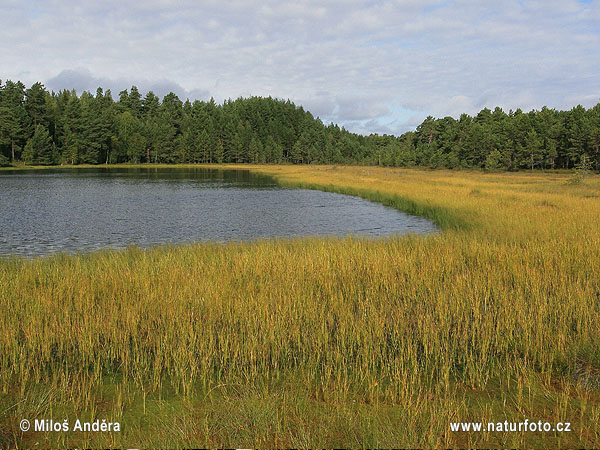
[(35, 104), (38, 149), (72, 132), (135, 102), (204, 146), (219, 152), (10, 129), (91, 130), (533, 148), (16, 123)]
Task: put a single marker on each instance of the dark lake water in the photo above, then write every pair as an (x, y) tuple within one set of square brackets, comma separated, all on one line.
[(48, 211)]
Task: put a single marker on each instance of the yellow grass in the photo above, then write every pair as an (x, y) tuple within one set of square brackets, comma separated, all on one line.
[(324, 342)]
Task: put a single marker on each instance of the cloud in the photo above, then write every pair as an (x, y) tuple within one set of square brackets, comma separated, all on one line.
[(83, 80), (355, 62)]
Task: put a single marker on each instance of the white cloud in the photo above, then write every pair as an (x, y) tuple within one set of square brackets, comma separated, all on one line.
[(354, 62)]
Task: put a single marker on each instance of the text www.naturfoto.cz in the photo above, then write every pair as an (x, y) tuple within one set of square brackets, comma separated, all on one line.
[(514, 427)]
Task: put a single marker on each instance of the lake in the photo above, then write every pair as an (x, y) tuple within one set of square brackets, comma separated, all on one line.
[(72, 210)]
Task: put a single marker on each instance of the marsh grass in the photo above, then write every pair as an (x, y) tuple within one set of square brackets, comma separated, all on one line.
[(324, 342)]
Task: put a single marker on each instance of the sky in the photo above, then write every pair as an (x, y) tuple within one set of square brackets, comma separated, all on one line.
[(371, 66)]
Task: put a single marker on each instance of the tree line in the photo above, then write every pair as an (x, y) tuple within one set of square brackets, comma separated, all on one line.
[(45, 128)]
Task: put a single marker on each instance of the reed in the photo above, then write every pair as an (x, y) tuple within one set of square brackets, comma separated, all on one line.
[(324, 341)]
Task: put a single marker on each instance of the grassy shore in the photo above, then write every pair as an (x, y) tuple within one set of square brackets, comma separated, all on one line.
[(324, 342)]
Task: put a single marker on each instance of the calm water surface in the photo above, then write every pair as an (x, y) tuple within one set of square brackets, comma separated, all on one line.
[(48, 211)]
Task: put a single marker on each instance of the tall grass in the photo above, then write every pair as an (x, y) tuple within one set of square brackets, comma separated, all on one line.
[(324, 342)]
